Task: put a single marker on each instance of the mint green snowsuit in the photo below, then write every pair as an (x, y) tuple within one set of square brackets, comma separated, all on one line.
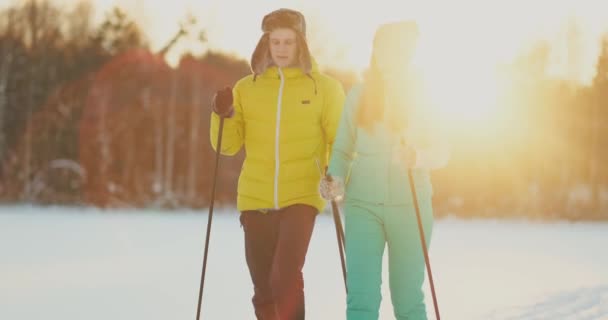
[(379, 210)]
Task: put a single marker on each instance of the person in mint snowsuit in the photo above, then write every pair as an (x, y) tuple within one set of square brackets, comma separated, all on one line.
[(386, 129)]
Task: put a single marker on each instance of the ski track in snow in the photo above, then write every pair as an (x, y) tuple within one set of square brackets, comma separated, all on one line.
[(582, 304)]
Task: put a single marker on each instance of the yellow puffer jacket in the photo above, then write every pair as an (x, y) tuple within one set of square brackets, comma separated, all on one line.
[(287, 122)]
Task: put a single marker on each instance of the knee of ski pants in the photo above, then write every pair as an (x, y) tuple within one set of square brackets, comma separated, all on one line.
[(416, 311), (362, 315), (365, 305), (285, 281)]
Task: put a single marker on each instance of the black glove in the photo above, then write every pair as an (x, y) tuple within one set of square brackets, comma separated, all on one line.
[(222, 102)]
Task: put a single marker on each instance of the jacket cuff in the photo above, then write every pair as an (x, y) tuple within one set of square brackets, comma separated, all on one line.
[(230, 114)]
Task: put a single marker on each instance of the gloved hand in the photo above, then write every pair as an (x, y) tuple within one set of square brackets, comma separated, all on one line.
[(222, 103), (406, 155), (331, 188)]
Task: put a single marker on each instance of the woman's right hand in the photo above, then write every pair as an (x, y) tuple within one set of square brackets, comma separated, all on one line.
[(331, 188)]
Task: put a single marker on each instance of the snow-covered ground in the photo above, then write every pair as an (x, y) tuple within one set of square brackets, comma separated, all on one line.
[(73, 264)]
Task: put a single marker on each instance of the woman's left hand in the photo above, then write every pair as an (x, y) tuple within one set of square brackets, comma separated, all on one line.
[(405, 154)]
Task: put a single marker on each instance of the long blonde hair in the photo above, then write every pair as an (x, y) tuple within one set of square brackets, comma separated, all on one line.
[(375, 104)]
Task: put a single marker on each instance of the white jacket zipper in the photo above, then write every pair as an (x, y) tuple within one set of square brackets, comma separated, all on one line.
[(277, 140)]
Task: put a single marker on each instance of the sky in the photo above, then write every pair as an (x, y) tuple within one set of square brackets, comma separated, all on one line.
[(482, 31), (479, 31), (462, 42)]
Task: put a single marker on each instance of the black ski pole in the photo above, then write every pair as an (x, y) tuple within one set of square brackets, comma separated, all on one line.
[(213, 188), (423, 241)]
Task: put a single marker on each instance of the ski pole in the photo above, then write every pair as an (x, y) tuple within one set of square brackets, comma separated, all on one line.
[(213, 188), (338, 223), (423, 242), (339, 234)]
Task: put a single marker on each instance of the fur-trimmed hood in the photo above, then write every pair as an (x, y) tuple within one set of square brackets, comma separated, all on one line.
[(281, 18)]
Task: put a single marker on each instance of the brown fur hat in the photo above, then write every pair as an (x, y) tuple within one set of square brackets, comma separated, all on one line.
[(281, 18)]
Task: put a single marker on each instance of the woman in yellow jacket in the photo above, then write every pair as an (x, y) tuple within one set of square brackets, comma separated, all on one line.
[(285, 114)]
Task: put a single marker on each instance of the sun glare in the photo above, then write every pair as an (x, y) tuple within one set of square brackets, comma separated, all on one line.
[(461, 81), (462, 43)]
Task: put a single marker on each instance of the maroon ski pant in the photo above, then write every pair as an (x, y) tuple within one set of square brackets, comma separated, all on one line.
[(276, 243)]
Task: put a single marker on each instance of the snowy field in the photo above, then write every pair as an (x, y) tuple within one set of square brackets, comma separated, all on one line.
[(65, 264)]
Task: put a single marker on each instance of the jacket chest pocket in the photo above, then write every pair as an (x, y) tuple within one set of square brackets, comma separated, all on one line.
[(301, 108)]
